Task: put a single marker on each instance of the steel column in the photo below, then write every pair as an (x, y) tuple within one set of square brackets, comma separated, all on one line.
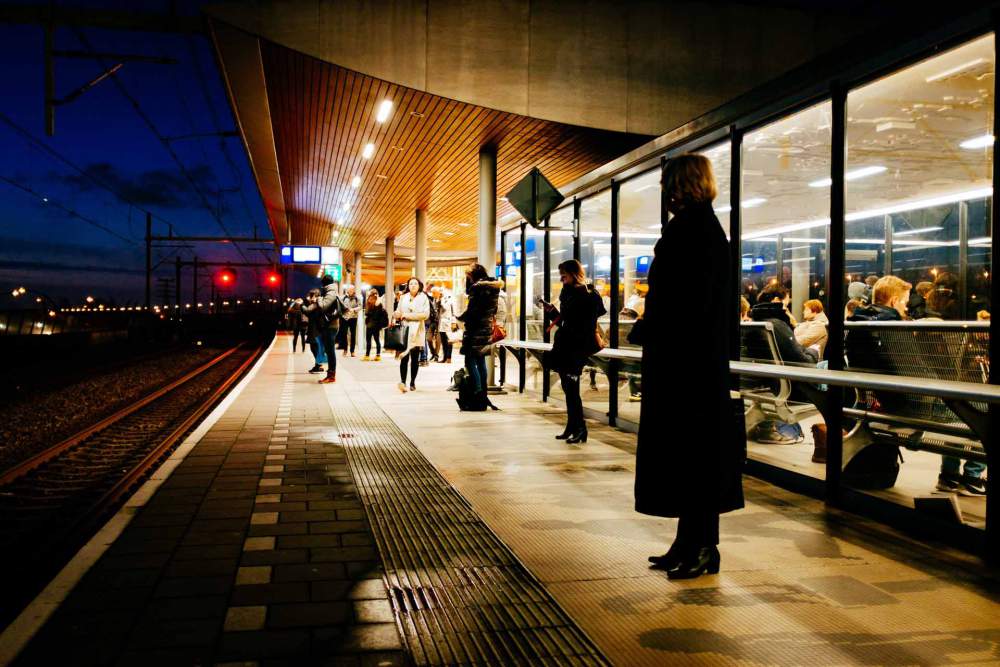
[(149, 256)]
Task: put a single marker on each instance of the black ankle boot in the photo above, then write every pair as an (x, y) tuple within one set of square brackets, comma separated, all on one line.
[(697, 563), (579, 435), (670, 560), (565, 434)]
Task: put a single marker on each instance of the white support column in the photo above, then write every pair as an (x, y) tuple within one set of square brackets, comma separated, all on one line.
[(420, 246), (486, 250), (361, 295), (390, 279)]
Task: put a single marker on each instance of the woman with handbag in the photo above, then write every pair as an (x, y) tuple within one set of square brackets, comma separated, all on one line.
[(481, 329), (413, 309), (376, 319), (576, 339), (689, 465)]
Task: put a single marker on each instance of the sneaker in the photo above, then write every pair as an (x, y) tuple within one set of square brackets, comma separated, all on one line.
[(366, 358), (353, 355), (973, 486), (378, 357), (401, 387), (635, 398), (413, 387), (316, 369), (329, 379), (948, 484)]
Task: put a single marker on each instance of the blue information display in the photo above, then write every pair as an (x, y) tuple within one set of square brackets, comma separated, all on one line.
[(301, 254)]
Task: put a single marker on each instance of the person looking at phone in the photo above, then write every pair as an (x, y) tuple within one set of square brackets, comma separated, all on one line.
[(576, 338)]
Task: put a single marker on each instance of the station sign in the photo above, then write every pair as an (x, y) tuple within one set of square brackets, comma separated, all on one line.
[(309, 254), (334, 271)]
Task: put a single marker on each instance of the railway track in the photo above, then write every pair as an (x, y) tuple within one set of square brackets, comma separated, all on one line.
[(53, 502)]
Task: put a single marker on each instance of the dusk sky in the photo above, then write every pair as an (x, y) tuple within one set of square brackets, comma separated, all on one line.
[(87, 238)]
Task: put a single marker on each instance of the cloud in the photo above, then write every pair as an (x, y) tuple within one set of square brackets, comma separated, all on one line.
[(163, 188)]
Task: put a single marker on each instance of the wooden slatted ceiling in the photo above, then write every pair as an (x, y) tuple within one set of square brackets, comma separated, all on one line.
[(426, 154)]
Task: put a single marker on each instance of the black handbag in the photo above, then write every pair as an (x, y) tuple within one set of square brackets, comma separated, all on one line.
[(395, 337)]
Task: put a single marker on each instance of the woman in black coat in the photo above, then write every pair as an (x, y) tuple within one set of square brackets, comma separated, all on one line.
[(478, 319), (689, 459), (575, 341)]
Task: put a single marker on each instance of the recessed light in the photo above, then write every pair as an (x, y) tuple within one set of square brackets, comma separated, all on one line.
[(978, 142), (504, 199), (464, 224), (384, 110), (449, 233), (368, 151), (435, 240), (346, 207), (416, 114), (356, 182), (381, 176), (397, 148)]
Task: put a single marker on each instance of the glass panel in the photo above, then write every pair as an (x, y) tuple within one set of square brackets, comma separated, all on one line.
[(512, 264), (639, 229), (918, 184), (534, 273), (785, 214), (595, 248), (560, 248)]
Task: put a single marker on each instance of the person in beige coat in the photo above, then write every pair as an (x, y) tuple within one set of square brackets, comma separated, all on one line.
[(812, 331), (413, 309)]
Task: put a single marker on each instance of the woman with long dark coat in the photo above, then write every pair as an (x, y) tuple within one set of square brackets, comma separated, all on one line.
[(575, 341), (690, 458)]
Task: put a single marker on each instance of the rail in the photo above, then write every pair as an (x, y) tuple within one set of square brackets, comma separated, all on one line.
[(948, 389)]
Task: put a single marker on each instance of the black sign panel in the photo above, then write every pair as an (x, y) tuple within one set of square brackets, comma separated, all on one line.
[(534, 197)]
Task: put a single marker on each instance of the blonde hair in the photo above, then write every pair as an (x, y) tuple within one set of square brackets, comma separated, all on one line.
[(744, 307), (814, 305), (574, 269), (689, 179), (888, 288)]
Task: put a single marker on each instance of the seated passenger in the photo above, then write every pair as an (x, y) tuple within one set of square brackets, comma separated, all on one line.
[(812, 332), (771, 308), (917, 307), (890, 297), (942, 300), (744, 309), (858, 291)]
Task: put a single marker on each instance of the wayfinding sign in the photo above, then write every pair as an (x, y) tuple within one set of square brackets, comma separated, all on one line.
[(309, 254), (534, 197)]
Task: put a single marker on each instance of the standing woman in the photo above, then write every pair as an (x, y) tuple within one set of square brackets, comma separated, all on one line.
[(689, 461), (478, 318), (375, 320), (446, 324), (575, 341), (413, 308)]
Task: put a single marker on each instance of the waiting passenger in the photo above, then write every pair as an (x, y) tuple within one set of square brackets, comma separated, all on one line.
[(917, 306), (812, 332), (580, 306), (479, 317), (299, 324), (412, 310), (859, 291), (691, 451), (326, 308), (890, 297), (744, 310), (942, 300), (870, 285), (433, 322), (314, 331), (376, 319), (771, 307), (851, 306), (447, 325)]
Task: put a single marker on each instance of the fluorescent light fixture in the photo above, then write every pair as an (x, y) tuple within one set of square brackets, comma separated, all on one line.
[(954, 70), (356, 182), (984, 141), (346, 206), (647, 187), (724, 209), (752, 202), (384, 109), (368, 151), (910, 232), (850, 176)]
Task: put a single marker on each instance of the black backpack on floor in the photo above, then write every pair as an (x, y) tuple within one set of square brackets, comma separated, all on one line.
[(874, 467), (468, 400)]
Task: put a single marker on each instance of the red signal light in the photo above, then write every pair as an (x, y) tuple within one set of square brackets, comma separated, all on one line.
[(273, 279), (226, 277)]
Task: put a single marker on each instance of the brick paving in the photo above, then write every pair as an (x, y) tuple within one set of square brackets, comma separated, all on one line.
[(255, 551)]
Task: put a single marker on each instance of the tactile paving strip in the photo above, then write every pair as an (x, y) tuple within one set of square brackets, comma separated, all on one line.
[(459, 594)]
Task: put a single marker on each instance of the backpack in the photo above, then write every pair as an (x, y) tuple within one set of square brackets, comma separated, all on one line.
[(874, 467), (774, 432), (468, 399)]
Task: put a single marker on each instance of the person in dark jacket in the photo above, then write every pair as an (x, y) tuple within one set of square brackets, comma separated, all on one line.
[(299, 323), (690, 454), (479, 316), (576, 339), (771, 307), (327, 311), (314, 331), (376, 319)]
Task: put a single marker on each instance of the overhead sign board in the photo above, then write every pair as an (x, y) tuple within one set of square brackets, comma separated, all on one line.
[(309, 254), (534, 197), (333, 270)]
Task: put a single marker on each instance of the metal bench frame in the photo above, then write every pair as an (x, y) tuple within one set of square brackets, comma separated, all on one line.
[(764, 403)]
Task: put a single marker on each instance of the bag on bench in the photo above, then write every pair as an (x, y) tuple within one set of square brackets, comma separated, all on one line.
[(874, 467)]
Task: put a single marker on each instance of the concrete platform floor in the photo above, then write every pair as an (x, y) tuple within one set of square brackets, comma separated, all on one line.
[(800, 584)]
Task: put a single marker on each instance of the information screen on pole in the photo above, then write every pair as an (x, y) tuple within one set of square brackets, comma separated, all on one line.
[(309, 254)]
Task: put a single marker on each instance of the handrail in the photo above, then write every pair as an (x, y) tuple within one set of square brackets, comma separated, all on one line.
[(952, 389), (919, 324)]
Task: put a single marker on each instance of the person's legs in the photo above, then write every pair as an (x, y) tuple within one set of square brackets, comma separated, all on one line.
[(404, 360), (378, 342), (472, 368), (352, 333), (574, 404), (480, 361), (445, 346), (368, 342), (414, 366), (974, 469), (329, 344)]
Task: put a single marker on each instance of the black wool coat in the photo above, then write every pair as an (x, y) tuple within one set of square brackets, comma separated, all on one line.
[(575, 341), (479, 315), (691, 450)]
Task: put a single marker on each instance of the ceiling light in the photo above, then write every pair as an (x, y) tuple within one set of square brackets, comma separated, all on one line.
[(416, 114), (850, 176), (978, 142), (356, 182), (910, 232), (954, 70), (647, 187), (346, 207), (449, 233), (435, 240), (463, 224), (503, 199), (753, 201), (384, 109), (381, 176), (368, 151)]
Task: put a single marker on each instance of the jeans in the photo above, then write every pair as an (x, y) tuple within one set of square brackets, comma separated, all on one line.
[(299, 333), (413, 357), (330, 347), (574, 404), (698, 530), (373, 335), (445, 346), (952, 467), (350, 328), (475, 364)]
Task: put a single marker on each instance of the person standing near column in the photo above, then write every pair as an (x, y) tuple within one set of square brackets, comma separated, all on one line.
[(412, 310), (446, 325), (327, 311), (478, 318), (352, 306), (689, 459), (376, 319)]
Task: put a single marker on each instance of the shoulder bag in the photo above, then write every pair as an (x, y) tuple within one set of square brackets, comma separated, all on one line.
[(396, 337)]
